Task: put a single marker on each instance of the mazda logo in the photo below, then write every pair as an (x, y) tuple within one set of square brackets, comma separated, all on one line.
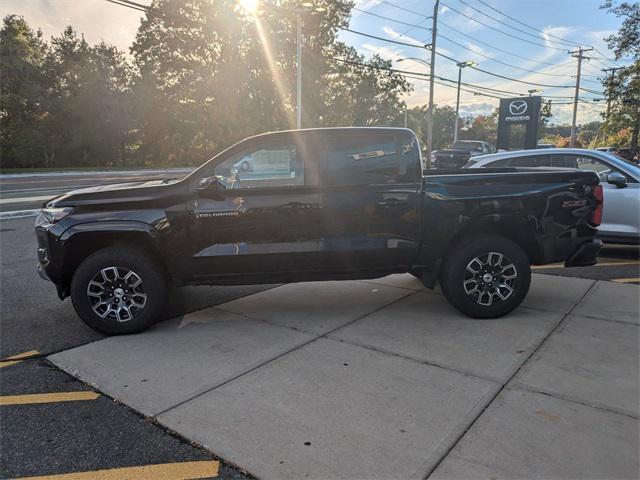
[(518, 107)]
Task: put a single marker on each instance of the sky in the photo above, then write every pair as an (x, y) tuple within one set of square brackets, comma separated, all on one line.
[(488, 32)]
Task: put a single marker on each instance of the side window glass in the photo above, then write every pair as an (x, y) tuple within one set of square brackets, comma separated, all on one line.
[(601, 168), (564, 161), (532, 161), (592, 164), (370, 159), (263, 167), (499, 163)]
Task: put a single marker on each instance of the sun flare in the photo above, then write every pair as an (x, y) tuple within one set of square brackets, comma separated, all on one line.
[(249, 6)]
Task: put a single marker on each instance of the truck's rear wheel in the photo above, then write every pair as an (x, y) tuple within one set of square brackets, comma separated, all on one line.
[(486, 276), (119, 290)]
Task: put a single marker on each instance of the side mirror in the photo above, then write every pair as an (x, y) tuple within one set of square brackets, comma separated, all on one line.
[(617, 179), (209, 187)]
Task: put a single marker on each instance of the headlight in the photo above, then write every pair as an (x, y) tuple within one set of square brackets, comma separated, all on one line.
[(53, 215)]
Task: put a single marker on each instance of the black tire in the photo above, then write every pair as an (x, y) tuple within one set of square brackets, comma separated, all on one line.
[(472, 293), (151, 293)]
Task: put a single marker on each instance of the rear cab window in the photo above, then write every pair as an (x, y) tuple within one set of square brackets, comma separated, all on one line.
[(372, 158)]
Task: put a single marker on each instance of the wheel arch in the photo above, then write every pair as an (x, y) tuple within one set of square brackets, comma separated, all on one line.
[(518, 230), (82, 240)]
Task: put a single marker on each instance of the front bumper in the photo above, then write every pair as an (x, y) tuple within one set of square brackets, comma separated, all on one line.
[(586, 255)]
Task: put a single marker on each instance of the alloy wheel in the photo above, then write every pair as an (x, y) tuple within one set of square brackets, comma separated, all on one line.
[(490, 278), (116, 293)]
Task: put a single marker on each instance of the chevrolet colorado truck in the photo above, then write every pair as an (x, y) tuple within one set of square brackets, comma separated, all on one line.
[(316, 204)]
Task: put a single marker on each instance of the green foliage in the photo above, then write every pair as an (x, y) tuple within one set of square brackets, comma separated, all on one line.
[(443, 121), (203, 74), (23, 98), (482, 127), (627, 40), (624, 89)]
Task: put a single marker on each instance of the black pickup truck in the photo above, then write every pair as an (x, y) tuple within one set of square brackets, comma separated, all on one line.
[(318, 204), (460, 152)]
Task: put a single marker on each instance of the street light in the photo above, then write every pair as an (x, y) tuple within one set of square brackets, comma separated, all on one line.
[(305, 7), (534, 90), (460, 65), (415, 59)]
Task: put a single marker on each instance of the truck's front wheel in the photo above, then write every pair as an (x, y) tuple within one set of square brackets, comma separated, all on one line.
[(486, 276), (119, 290)]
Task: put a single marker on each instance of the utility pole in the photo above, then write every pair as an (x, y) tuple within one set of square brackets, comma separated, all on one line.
[(460, 65), (434, 32), (579, 54), (298, 69), (611, 80)]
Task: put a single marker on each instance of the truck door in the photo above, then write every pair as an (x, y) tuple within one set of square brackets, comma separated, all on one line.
[(258, 216), (370, 198)]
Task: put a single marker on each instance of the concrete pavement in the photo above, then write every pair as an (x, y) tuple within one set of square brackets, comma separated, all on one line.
[(383, 379)]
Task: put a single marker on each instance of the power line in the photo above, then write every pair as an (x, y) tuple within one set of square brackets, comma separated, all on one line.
[(399, 7), (526, 25), (501, 31), (129, 4), (508, 25), (456, 61), (571, 42), (494, 47), (499, 61), (412, 25), (503, 76), (397, 42), (421, 76)]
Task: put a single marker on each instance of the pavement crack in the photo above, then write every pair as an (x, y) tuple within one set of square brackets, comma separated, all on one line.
[(507, 381), (298, 347)]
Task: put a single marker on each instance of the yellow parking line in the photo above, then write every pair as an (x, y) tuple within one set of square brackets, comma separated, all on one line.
[(48, 398), (164, 471), (599, 264), (6, 362), (626, 280)]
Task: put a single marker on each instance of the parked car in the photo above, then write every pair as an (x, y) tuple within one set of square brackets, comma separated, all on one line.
[(460, 153), (629, 154), (620, 179), (354, 204)]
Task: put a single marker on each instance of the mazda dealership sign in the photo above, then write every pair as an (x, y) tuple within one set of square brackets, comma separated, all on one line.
[(518, 111)]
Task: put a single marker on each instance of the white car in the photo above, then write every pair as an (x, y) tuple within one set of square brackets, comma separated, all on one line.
[(620, 179)]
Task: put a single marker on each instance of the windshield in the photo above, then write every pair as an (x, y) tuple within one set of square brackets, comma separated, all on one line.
[(469, 146), (631, 167)]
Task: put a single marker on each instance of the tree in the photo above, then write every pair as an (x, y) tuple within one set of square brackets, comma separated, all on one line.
[(90, 111), (23, 105), (627, 40), (483, 127), (443, 122), (624, 88), (210, 75)]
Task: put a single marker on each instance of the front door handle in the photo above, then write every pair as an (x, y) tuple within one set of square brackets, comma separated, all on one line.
[(393, 202)]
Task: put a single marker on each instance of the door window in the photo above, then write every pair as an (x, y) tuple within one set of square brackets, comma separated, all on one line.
[(531, 161), (564, 161), (263, 167), (372, 159), (594, 164)]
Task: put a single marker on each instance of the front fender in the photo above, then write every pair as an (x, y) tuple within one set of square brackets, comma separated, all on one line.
[(79, 241)]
